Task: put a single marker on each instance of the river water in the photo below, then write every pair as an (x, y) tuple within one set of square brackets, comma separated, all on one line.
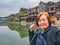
[(13, 34)]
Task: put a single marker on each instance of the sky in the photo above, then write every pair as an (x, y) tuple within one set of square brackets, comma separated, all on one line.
[(8, 7)]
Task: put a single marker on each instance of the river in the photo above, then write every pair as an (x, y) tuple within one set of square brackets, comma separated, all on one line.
[(13, 34)]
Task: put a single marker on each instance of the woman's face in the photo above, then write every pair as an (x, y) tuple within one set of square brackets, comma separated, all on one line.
[(43, 22)]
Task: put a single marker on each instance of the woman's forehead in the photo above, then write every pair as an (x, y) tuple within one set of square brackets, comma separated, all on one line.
[(43, 16)]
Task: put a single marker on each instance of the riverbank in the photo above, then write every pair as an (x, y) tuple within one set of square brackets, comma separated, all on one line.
[(57, 24)]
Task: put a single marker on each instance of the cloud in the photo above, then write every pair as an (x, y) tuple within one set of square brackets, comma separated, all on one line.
[(33, 0), (8, 7), (7, 12)]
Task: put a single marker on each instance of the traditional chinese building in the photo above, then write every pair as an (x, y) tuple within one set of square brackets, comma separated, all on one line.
[(23, 10), (32, 13), (23, 19), (58, 10), (53, 8)]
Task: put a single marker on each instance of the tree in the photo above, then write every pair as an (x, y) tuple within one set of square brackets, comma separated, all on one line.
[(25, 14), (16, 19), (22, 15)]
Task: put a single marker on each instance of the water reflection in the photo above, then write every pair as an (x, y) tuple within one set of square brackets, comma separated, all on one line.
[(8, 37), (22, 29), (14, 34), (3, 23)]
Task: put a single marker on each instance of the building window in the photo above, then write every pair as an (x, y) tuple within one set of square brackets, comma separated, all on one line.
[(36, 12), (29, 13), (58, 6), (52, 8), (51, 14)]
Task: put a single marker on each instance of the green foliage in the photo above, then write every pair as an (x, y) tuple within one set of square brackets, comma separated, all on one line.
[(16, 19), (13, 18), (22, 29), (22, 15), (10, 18), (25, 14)]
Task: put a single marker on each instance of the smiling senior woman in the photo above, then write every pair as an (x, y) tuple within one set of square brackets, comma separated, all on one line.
[(50, 34)]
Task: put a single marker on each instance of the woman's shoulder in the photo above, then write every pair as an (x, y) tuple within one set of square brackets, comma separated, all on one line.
[(55, 28), (38, 31)]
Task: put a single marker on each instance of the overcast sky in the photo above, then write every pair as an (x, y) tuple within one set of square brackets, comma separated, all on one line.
[(8, 7)]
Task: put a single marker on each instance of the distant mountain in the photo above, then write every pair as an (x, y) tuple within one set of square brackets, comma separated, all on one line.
[(3, 18)]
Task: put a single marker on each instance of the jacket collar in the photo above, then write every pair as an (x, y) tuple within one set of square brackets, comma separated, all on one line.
[(49, 28), (40, 31)]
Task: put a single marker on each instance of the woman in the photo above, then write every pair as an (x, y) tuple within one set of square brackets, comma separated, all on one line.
[(50, 33)]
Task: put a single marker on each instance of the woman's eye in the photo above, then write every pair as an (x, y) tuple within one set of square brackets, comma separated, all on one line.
[(39, 21), (43, 19)]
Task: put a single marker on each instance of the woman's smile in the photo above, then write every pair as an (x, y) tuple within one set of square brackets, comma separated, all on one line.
[(43, 22)]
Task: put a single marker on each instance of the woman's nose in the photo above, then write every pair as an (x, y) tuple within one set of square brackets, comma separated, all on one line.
[(42, 21)]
